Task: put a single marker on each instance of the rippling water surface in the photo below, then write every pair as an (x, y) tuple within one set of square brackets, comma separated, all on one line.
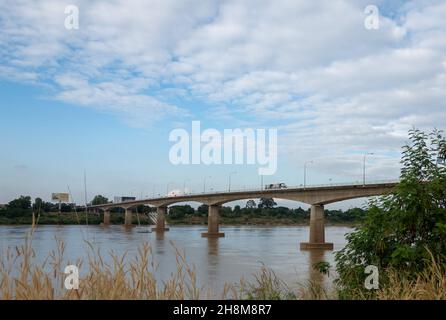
[(225, 260)]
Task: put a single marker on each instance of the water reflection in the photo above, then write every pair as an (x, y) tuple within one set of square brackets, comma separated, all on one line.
[(159, 235), (212, 246), (315, 276), (160, 244), (217, 260), (213, 260)]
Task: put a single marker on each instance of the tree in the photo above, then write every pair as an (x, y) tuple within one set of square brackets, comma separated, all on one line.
[(403, 229), (178, 212), (66, 207), (99, 199), (250, 204), (41, 205), (38, 204), (20, 203), (266, 203), (226, 212), (203, 210)]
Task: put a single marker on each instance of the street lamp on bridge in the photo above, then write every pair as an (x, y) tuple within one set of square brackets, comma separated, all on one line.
[(305, 172), (204, 183), (184, 186), (363, 167), (167, 189)]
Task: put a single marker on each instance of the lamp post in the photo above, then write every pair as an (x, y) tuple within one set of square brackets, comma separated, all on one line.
[(363, 167), (204, 183), (184, 186), (167, 188), (230, 174), (305, 172)]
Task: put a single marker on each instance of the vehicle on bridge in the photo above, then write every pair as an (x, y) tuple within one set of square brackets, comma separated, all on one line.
[(123, 199), (275, 186)]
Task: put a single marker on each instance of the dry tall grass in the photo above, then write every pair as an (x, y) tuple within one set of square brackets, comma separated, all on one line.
[(21, 277), (428, 285)]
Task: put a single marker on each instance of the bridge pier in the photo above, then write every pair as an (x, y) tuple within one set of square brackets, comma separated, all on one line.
[(128, 217), (213, 217), (317, 230), (106, 217), (161, 219)]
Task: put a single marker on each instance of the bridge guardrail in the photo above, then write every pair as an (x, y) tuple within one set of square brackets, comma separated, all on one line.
[(356, 183)]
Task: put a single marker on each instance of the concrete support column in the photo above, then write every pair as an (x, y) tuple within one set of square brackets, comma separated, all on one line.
[(213, 217), (128, 217), (317, 230), (161, 219), (106, 217)]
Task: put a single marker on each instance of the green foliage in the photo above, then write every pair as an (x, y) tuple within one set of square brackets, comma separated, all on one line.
[(400, 229), (203, 210), (99, 199), (250, 204), (14, 214), (323, 267), (266, 203), (42, 206), (354, 214), (20, 203), (178, 212), (227, 212)]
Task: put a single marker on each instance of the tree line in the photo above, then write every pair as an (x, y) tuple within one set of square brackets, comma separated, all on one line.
[(265, 208)]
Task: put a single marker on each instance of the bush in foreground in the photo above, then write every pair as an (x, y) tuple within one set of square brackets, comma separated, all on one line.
[(404, 230)]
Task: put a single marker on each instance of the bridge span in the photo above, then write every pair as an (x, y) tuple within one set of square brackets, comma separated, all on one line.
[(317, 197)]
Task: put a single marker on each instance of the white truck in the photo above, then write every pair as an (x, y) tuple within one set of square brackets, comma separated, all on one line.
[(275, 186)]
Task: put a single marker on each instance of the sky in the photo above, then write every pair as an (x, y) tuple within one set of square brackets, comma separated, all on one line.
[(103, 98)]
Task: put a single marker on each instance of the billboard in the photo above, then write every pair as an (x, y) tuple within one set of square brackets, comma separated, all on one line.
[(61, 197)]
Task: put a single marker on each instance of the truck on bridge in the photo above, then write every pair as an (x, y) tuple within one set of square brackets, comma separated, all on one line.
[(275, 186)]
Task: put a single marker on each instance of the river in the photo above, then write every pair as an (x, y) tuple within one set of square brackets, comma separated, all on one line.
[(238, 255)]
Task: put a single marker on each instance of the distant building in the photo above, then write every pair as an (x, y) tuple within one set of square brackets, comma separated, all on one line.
[(2, 206), (123, 199)]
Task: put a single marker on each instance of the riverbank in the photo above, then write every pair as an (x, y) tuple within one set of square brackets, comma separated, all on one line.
[(136, 279)]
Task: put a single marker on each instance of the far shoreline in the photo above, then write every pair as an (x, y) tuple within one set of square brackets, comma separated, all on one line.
[(272, 224)]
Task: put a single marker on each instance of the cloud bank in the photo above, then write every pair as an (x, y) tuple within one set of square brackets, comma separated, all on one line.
[(333, 88)]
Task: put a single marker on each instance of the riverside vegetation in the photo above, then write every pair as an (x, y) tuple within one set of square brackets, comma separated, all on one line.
[(21, 210), (403, 234)]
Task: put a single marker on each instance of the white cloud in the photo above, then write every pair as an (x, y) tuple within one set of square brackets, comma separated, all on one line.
[(308, 67)]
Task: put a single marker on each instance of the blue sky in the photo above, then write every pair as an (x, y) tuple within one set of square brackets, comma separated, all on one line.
[(104, 98)]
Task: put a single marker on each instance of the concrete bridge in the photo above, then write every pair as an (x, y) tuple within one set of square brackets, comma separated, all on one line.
[(317, 197)]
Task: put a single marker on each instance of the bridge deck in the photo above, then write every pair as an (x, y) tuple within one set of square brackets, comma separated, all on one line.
[(252, 193)]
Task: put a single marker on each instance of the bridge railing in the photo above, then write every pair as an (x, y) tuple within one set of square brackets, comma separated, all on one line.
[(253, 189), (308, 186)]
